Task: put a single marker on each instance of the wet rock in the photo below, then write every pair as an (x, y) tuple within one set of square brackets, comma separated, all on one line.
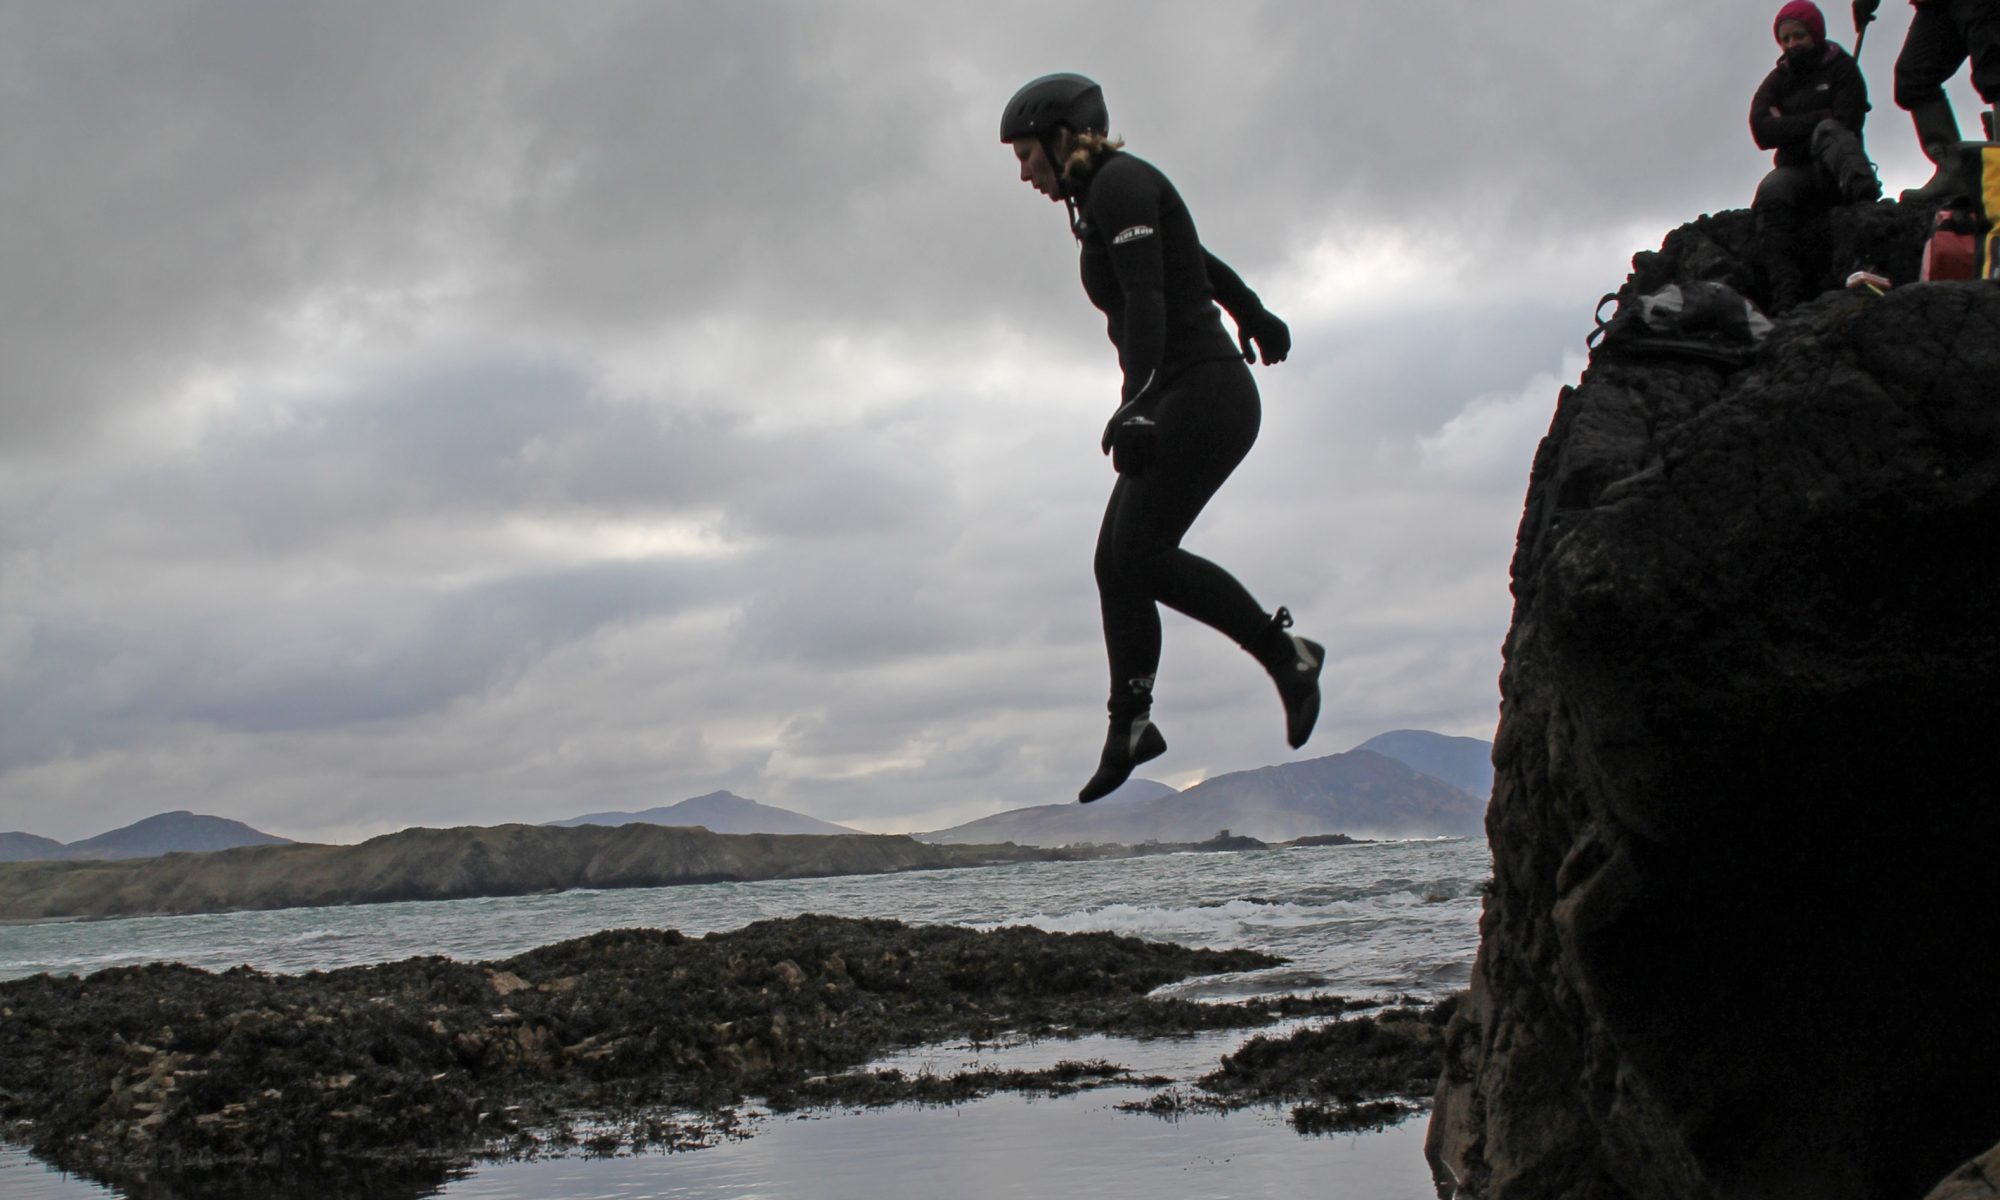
[(1976, 1180), (1362, 1072), (879, 1088), (1740, 936), (331, 1075)]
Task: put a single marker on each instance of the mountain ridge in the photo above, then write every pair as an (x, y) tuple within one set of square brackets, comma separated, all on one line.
[(1462, 762), (177, 832), (717, 812), (1359, 792)]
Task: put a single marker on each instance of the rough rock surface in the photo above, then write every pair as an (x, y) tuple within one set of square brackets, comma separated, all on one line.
[(1976, 1180), (1741, 936), (366, 1080)]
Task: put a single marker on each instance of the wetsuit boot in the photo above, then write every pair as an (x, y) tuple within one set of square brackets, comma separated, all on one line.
[(1294, 663), (1131, 740), (1937, 130)]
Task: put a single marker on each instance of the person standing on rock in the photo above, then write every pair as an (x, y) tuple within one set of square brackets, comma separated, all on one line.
[(1943, 34), (1810, 110), (1187, 413)]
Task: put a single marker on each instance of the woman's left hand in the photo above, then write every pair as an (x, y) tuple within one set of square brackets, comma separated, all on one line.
[(1131, 438)]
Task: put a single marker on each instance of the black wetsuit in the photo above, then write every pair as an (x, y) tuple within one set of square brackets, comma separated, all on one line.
[(1144, 266)]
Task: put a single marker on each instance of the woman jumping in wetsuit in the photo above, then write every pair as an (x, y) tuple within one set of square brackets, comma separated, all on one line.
[(1187, 414)]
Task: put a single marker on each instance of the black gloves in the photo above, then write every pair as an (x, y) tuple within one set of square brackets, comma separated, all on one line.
[(1864, 12), (1131, 438), (1267, 331)]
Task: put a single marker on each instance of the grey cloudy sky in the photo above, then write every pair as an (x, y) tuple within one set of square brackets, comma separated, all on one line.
[(473, 412)]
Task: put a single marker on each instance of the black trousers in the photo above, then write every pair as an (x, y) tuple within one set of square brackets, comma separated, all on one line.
[(1790, 194), (1943, 34), (1208, 418), (1786, 199)]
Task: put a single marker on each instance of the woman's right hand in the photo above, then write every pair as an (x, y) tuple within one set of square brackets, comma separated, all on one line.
[(1271, 336)]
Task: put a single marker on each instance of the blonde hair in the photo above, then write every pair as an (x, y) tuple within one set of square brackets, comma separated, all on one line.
[(1078, 152)]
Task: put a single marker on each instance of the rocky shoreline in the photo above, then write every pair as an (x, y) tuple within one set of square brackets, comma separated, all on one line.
[(166, 1080)]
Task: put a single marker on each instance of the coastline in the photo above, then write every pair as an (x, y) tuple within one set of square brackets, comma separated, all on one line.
[(501, 861), (497, 1060)]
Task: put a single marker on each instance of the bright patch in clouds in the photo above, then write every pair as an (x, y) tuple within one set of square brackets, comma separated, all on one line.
[(1497, 432)]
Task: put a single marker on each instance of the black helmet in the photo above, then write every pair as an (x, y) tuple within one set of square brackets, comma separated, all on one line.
[(1054, 100)]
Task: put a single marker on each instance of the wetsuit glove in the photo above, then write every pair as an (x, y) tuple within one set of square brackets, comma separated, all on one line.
[(1864, 12), (1269, 333), (1132, 439)]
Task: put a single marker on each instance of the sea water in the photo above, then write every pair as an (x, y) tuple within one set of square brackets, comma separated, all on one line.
[(1370, 920)]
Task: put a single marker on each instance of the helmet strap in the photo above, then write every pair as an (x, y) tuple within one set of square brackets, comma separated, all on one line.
[(1051, 140)]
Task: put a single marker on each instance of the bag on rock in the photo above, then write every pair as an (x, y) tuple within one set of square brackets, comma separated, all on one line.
[(1708, 321), (1965, 243)]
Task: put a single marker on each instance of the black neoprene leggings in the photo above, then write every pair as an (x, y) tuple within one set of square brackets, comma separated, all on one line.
[(1208, 418)]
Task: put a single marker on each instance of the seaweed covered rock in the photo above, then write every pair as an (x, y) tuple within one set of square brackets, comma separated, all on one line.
[(1741, 936), (365, 1080)]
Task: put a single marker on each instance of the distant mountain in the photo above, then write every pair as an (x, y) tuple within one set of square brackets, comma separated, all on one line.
[(26, 847), (1136, 791), (1064, 824), (169, 833), (1360, 792), (166, 833), (1462, 762), (718, 812)]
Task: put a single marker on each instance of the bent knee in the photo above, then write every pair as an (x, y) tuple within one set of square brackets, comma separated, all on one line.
[(1829, 133), (1911, 98), (1780, 189), (1919, 85), (1986, 75)]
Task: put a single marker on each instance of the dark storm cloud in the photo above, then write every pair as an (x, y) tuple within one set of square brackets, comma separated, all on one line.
[(188, 172), (431, 460), (591, 406), (180, 174)]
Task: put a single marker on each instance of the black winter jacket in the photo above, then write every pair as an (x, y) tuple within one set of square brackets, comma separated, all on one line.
[(1833, 88)]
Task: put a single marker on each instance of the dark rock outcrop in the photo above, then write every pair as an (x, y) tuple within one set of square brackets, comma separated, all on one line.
[(1741, 938)]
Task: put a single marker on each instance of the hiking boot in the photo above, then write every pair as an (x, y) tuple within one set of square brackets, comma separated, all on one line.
[(1129, 742), (1294, 663)]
